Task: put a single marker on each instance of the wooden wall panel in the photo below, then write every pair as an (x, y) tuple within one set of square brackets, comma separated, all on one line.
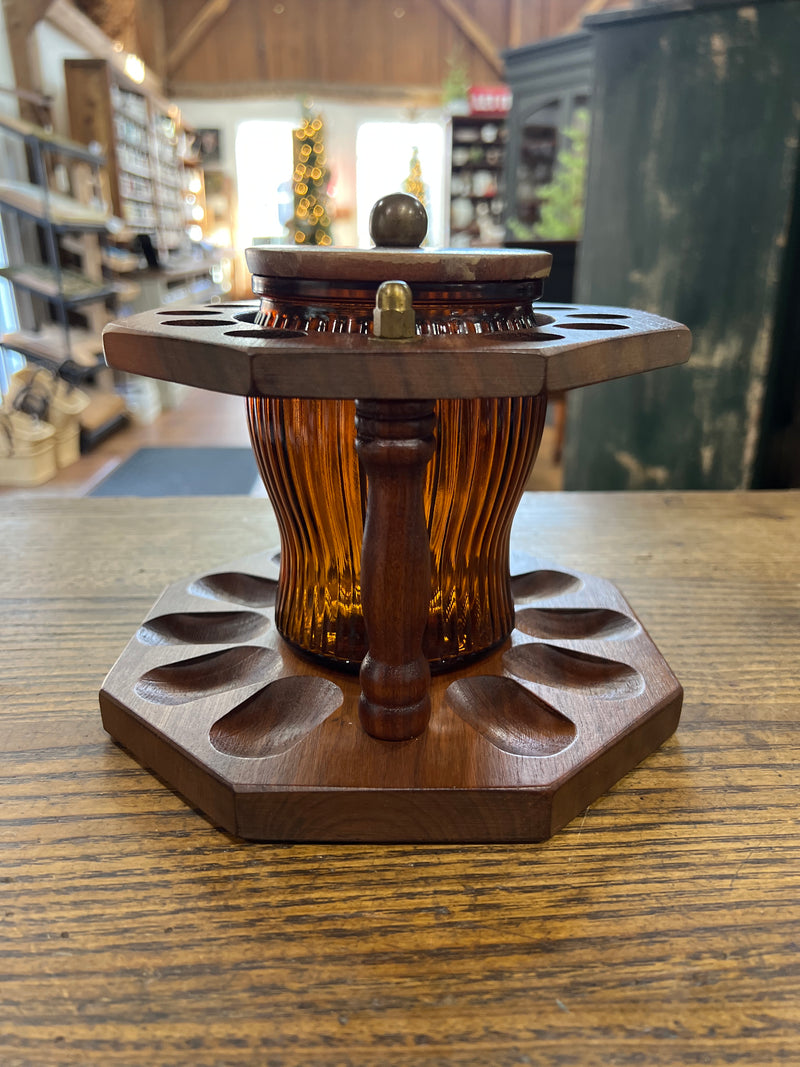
[(280, 46), (358, 43), (235, 41)]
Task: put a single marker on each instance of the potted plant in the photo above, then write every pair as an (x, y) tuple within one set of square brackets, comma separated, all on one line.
[(561, 211)]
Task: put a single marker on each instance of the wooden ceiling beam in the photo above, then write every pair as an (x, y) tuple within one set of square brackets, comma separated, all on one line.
[(474, 33), (73, 23), (591, 7), (151, 35), (201, 24), (406, 96), (515, 24)]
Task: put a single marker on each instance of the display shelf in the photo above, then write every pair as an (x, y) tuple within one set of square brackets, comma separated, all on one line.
[(65, 147), (67, 286), (48, 350), (477, 200), (116, 116), (169, 182), (119, 260), (105, 414), (189, 282), (70, 285), (65, 213), (142, 138)]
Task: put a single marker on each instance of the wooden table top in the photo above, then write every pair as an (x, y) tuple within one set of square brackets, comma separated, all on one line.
[(660, 927)]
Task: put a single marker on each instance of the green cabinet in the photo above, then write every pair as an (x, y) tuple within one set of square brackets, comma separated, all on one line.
[(693, 179), (550, 80)]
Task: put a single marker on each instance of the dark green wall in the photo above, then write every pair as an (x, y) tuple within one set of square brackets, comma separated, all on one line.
[(693, 158)]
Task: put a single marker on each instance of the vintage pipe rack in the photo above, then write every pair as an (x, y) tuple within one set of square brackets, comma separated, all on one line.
[(264, 730)]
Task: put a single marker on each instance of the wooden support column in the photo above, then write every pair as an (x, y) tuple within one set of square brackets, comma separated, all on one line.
[(394, 442), (197, 29), (151, 38), (21, 17)]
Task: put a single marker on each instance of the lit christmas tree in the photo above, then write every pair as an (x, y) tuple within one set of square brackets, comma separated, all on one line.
[(311, 224), (414, 184)]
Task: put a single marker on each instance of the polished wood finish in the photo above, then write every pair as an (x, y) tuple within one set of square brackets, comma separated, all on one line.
[(434, 265), (545, 756), (518, 743), (658, 926), (394, 442), (220, 347)]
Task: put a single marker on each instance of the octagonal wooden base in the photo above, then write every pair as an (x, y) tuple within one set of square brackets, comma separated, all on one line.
[(269, 747)]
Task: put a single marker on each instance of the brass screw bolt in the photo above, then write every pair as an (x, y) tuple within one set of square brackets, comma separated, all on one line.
[(394, 315)]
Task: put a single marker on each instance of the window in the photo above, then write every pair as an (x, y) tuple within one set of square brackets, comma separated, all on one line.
[(383, 162), (9, 361), (264, 166)]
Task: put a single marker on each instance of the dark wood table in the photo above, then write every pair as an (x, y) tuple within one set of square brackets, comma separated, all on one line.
[(660, 927)]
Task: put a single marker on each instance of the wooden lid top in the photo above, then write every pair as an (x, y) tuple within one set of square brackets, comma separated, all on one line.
[(435, 266), (398, 225)]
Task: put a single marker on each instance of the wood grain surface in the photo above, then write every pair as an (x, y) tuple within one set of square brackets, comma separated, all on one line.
[(268, 744), (395, 442), (660, 927), (220, 347), (438, 265)]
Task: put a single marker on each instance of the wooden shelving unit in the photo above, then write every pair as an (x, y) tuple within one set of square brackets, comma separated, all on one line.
[(144, 144), (65, 298), (477, 186), (64, 281)]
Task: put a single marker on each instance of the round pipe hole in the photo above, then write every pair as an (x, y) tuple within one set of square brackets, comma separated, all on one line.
[(262, 333), (596, 326), (199, 322)]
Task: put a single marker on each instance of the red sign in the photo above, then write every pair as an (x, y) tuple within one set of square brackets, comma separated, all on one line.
[(489, 99)]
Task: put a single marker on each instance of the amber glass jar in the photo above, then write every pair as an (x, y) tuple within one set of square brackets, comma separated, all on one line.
[(306, 453)]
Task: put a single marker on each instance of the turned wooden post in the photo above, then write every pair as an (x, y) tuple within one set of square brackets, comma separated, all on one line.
[(394, 441)]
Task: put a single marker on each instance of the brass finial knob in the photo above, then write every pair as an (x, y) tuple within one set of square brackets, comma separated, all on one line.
[(398, 220), (394, 311)]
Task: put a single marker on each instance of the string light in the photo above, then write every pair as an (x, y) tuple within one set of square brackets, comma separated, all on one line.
[(311, 221)]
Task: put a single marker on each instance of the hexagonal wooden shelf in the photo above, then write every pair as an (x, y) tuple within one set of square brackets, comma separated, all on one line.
[(268, 744)]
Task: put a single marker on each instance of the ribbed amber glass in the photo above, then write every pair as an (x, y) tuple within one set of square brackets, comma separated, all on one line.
[(306, 454)]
